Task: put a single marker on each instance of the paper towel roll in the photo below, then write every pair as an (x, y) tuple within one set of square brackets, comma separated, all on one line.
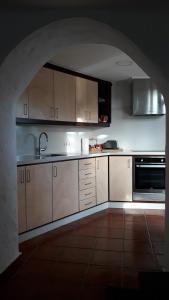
[(85, 146)]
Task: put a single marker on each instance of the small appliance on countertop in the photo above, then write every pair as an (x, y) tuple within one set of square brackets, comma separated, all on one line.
[(110, 145), (84, 146)]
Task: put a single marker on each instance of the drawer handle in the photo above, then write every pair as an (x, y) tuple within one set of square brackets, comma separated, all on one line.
[(88, 203), (88, 183), (88, 194), (88, 173), (87, 164)]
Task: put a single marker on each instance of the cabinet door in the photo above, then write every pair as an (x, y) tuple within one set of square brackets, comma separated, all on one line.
[(65, 189), (21, 199), (86, 100), (64, 97), (102, 179), (22, 105), (38, 195), (92, 104), (120, 178), (41, 103)]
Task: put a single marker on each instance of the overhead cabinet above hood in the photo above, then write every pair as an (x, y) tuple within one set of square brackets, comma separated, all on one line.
[(146, 98)]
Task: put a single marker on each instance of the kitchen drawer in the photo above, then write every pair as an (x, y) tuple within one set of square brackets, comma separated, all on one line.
[(85, 164), (88, 193), (87, 183), (87, 203), (85, 174)]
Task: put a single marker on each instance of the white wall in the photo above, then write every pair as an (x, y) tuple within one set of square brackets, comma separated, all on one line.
[(131, 132)]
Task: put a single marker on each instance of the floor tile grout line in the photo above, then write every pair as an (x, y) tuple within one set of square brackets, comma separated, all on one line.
[(123, 253), (151, 244), (89, 264)]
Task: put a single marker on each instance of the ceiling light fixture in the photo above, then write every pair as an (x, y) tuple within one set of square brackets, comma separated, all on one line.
[(124, 63)]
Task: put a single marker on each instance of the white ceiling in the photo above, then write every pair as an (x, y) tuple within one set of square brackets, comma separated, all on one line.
[(98, 61)]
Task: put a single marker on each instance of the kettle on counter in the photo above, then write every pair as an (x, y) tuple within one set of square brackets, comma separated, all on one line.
[(111, 144)]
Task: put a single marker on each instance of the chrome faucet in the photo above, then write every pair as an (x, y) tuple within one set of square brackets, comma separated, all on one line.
[(39, 145)]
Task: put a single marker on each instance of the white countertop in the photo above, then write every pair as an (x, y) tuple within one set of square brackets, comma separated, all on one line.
[(32, 159)]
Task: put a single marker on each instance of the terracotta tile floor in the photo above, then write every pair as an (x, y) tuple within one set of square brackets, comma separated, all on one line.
[(86, 258)]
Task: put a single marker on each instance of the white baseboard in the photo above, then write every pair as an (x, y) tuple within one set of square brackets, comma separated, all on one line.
[(138, 205), (43, 229)]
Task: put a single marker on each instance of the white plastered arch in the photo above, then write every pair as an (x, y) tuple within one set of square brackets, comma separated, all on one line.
[(16, 71)]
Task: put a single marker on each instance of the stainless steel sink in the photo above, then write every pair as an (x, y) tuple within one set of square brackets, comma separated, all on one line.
[(42, 156)]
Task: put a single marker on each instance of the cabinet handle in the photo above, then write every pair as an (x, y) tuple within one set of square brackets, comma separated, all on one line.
[(128, 163), (52, 112), (25, 109), (88, 203), (98, 165), (56, 113), (88, 194), (55, 171), (86, 115), (21, 176), (28, 176), (89, 115)]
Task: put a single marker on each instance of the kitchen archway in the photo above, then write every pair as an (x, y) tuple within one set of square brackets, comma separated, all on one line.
[(17, 71)]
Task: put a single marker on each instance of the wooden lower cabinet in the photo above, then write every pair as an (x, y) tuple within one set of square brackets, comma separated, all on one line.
[(65, 189), (51, 191), (38, 195), (120, 178), (102, 179), (21, 190)]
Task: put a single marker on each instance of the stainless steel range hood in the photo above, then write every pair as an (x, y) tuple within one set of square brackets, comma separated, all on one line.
[(147, 100)]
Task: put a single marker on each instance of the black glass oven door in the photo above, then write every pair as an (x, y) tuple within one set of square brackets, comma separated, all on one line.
[(149, 177)]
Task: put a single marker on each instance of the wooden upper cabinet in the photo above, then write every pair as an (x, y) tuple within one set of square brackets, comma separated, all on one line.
[(21, 199), (86, 100), (57, 96), (120, 178), (65, 189), (41, 104), (65, 97), (38, 195), (22, 105), (102, 179)]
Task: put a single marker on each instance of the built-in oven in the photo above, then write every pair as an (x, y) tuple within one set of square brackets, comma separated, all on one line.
[(149, 177)]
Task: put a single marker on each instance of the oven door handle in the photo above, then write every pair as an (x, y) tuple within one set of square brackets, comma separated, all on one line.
[(151, 166)]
